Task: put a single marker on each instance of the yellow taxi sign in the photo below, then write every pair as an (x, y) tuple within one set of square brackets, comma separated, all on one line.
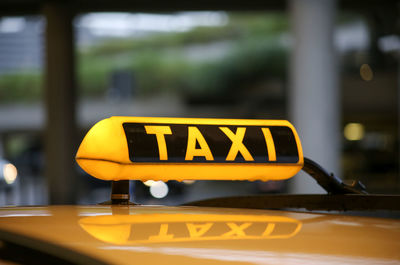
[(123, 148)]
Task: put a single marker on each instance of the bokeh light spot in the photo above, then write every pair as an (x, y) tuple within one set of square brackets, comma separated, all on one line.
[(159, 190), (10, 173), (149, 183), (354, 131), (366, 72)]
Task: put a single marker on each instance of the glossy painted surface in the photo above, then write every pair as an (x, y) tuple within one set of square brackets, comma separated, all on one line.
[(190, 235)]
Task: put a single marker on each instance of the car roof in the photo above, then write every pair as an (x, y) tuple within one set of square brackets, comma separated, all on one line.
[(153, 234)]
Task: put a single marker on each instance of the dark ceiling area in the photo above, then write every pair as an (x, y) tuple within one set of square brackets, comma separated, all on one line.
[(20, 7)]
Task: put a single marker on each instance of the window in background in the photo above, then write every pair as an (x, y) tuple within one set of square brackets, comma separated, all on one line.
[(370, 81), (21, 110)]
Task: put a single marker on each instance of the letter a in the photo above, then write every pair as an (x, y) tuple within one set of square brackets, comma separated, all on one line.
[(195, 136), (198, 230)]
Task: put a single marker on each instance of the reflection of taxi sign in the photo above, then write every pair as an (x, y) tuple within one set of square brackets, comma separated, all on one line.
[(129, 229), (178, 148)]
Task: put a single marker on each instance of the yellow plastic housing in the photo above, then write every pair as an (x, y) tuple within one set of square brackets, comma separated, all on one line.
[(104, 154)]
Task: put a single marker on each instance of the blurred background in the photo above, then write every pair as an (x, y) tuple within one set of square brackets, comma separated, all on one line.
[(330, 67)]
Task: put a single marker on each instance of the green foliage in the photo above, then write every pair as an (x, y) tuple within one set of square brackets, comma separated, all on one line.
[(161, 62), (258, 23), (164, 40), (26, 86), (250, 60), (93, 75), (157, 71)]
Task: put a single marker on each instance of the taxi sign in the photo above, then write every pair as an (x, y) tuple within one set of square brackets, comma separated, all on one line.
[(127, 148)]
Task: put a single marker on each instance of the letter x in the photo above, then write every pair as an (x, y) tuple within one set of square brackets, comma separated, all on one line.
[(237, 230), (237, 144)]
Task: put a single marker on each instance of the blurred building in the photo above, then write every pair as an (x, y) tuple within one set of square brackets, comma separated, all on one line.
[(337, 80)]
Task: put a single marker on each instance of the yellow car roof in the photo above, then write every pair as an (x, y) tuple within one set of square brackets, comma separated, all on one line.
[(195, 235)]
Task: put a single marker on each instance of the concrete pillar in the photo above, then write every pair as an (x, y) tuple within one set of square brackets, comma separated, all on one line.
[(314, 95), (60, 144), (1, 146), (398, 116)]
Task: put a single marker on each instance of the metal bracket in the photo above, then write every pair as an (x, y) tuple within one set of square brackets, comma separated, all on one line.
[(119, 193), (331, 183)]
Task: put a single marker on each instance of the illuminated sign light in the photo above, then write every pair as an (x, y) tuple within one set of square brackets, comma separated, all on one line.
[(8, 172), (180, 149), (156, 228), (181, 143)]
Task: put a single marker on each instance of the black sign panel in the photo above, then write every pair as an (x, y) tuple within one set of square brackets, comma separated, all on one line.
[(145, 147)]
